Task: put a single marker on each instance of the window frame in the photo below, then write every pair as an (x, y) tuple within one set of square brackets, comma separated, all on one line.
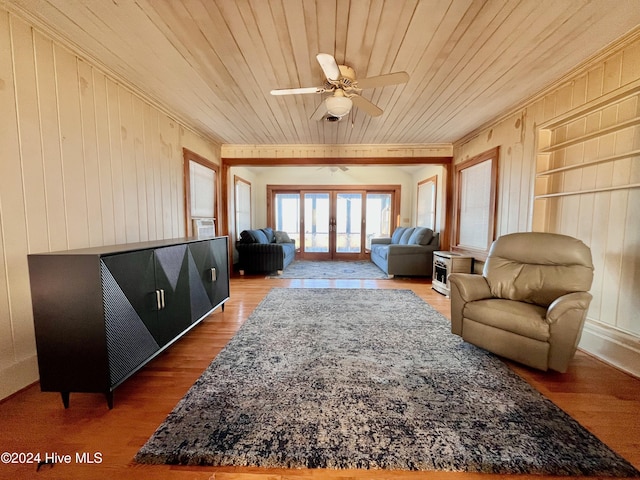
[(493, 157)]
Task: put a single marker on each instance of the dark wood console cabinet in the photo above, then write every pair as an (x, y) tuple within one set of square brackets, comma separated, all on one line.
[(100, 314)]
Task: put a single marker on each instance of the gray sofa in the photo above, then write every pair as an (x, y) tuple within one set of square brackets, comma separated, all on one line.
[(264, 251), (409, 251)]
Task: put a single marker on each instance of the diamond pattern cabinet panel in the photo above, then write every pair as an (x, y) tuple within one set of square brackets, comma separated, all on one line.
[(129, 342), (209, 268), (101, 314), (134, 274), (172, 280)]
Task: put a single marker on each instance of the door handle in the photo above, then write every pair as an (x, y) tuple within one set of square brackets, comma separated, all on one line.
[(213, 275), (160, 303)]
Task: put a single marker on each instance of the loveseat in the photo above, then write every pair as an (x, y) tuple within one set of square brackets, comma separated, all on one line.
[(408, 252), (264, 251)]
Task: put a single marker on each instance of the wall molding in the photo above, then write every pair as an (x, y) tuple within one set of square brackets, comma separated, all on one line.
[(18, 376), (612, 346), (391, 151)]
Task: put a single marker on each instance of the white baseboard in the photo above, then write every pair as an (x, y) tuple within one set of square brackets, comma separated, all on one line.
[(612, 346), (18, 376)]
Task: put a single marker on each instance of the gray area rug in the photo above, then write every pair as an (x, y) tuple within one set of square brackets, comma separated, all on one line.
[(332, 270), (369, 379)]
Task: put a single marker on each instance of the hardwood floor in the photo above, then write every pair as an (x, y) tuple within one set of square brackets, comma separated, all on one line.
[(603, 399)]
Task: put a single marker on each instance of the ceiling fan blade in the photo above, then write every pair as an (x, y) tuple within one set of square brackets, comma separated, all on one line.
[(364, 104), (329, 66), (383, 80), (320, 112), (295, 91)]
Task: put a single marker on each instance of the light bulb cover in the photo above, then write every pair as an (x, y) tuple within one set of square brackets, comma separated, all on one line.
[(338, 106)]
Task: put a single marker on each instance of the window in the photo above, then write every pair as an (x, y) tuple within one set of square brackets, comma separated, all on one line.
[(201, 190), (475, 203), (287, 214), (426, 216), (379, 216), (242, 203)]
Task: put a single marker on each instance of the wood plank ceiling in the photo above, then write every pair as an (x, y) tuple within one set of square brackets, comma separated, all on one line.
[(212, 63)]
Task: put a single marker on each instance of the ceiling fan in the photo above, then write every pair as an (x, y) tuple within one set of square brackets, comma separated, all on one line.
[(345, 89)]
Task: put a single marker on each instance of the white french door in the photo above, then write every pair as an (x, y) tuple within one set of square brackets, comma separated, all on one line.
[(333, 224)]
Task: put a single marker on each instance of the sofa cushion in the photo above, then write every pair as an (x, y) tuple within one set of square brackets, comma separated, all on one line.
[(397, 234), (421, 236), (268, 232), (406, 235), (282, 237)]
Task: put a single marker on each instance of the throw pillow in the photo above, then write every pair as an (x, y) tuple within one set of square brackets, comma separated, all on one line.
[(282, 237), (421, 236)]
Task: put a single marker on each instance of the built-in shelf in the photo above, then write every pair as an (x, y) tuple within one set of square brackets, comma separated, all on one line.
[(579, 152)]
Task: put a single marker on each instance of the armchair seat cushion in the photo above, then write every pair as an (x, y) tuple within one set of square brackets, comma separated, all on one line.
[(521, 318)]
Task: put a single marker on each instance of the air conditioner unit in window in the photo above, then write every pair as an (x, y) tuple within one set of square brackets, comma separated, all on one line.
[(204, 227)]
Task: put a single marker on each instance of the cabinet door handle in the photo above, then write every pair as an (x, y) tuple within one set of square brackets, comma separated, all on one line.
[(213, 275), (162, 304), (158, 300)]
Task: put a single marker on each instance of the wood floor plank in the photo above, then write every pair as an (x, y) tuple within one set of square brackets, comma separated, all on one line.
[(604, 400)]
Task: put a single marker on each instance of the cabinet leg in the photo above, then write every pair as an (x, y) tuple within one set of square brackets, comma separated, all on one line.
[(109, 396), (223, 307), (65, 399)]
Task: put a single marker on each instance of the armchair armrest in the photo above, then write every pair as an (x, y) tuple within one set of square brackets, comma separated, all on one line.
[(465, 287), (566, 316), (470, 287), (562, 305)]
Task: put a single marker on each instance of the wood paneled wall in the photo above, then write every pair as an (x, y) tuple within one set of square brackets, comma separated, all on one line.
[(85, 161), (570, 164)]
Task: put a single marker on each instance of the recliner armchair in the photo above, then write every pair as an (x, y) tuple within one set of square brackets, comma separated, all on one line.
[(531, 301)]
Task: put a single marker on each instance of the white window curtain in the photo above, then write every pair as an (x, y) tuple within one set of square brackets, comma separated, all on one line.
[(475, 203), (243, 206), (202, 183), (426, 216)]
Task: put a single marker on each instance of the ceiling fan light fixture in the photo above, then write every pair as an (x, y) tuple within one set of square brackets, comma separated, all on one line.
[(338, 106)]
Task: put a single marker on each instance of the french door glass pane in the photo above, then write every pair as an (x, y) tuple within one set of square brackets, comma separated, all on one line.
[(316, 222), (348, 222), (287, 210), (378, 216)]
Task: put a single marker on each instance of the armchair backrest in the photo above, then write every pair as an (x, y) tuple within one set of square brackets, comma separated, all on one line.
[(538, 267)]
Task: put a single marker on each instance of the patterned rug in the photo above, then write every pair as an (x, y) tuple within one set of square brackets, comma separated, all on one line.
[(369, 379), (332, 270)]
